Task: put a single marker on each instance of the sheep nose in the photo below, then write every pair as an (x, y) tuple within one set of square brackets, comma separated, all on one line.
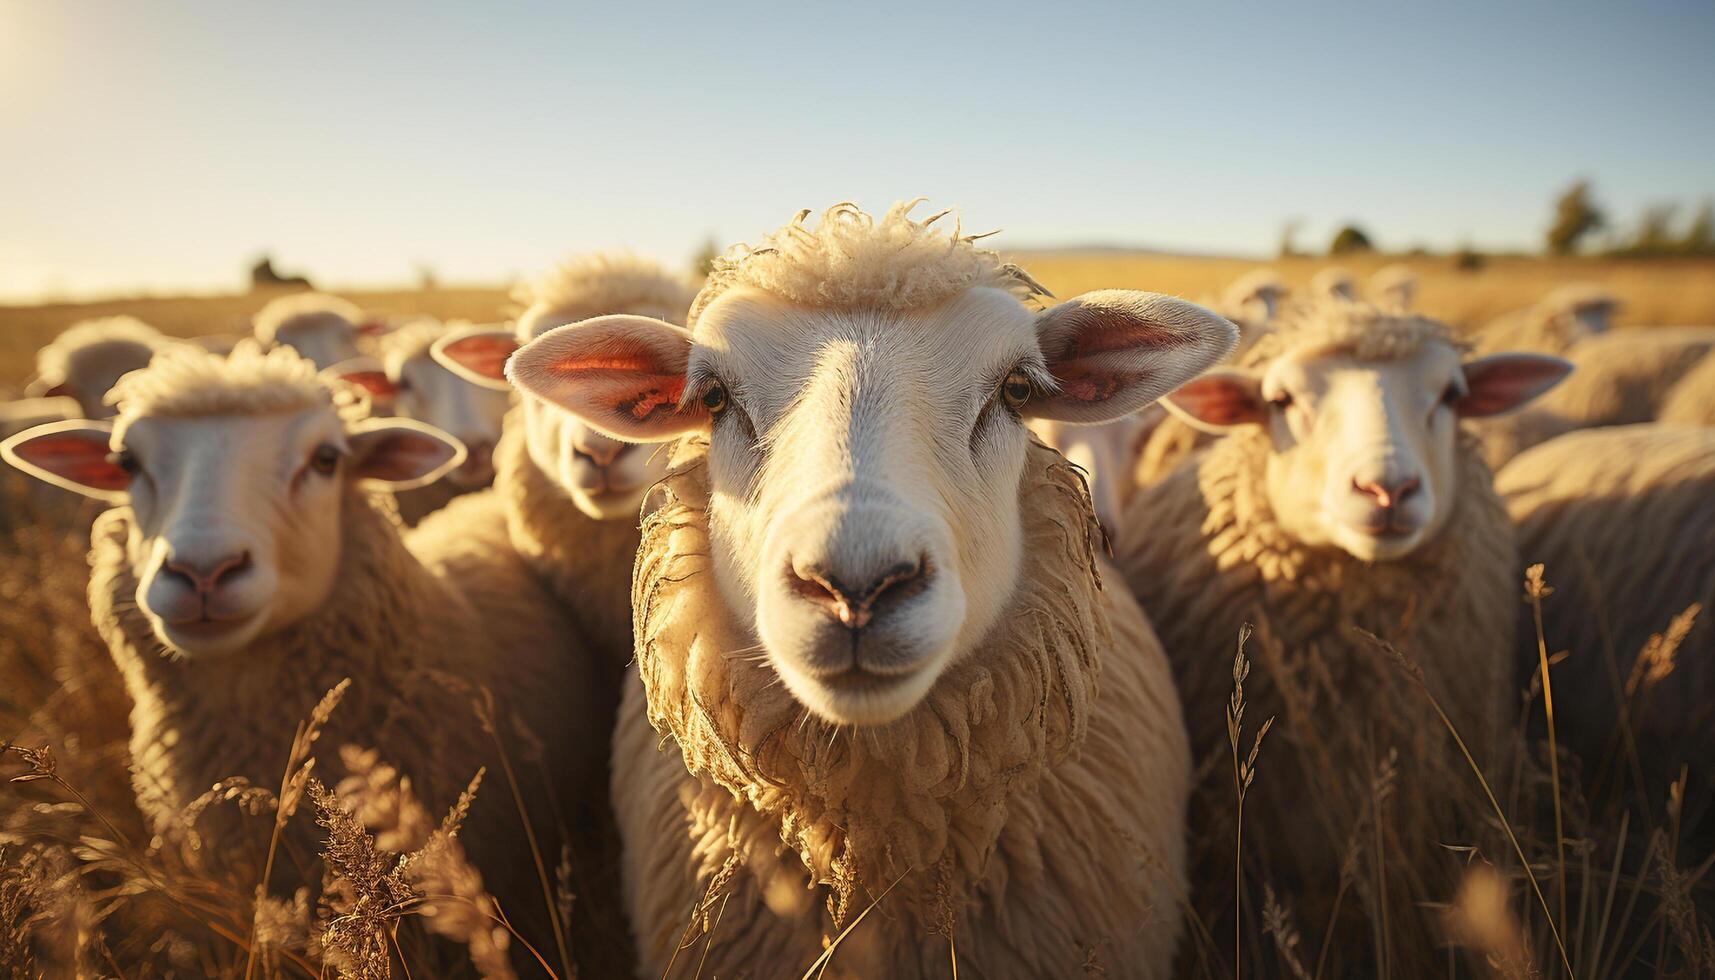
[(1388, 493), (854, 606), (600, 452), (205, 577)]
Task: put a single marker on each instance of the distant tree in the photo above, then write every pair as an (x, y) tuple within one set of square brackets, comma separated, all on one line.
[(705, 258), (1468, 259), (1700, 234), (1575, 215), (1350, 239), (1289, 237)]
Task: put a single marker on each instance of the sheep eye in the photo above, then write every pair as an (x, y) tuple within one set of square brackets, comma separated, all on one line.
[(715, 398), (325, 460), (1015, 390), (125, 459), (1451, 395), (1282, 401)]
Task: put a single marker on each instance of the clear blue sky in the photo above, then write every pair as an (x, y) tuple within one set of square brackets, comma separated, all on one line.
[(159, 145)]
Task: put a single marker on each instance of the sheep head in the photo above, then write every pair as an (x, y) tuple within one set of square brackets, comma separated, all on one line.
[(235, 474), (865, 454), (1360, 413)]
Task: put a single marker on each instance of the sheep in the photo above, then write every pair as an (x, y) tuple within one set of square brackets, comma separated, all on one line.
[(1560, 319), (1691, 401), (571, 493), (1619, 378), (1333, 283), (1253, 299), (244, 569), (865, 689), (1107, 454), (323, 328), (87, 359), (1394, 288), (1343, 495), (406, 380), (1623, 518)]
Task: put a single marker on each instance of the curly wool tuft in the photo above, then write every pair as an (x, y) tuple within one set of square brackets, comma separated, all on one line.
[(854, 259), (184, 380), (599, 283), (1359, 329)]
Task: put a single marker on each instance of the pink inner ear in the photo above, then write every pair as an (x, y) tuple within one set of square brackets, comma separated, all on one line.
[(61, 390), (402, 456), (1080, 383), (1502, 383), (1099, 331), (374, 382), (629, 357), (76, 458), (371, 328), (482, 355), (1216, 401)]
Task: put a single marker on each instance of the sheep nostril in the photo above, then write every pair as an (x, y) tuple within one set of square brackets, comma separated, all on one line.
[(1387, 493), (854, 607), (206, 577)]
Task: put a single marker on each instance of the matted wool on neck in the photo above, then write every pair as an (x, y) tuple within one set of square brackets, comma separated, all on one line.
[(184, 381), (853, 259), (1357, 329)]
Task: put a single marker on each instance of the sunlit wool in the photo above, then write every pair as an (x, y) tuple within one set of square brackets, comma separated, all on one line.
[(1624, 519), (1010, 777), (398, 629), (1211, 555)]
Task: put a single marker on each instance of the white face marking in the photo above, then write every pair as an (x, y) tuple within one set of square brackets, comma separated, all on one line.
[(1363, 450), (323, 343), (865, 462), (607, 479), (473, 414), (237, 529)]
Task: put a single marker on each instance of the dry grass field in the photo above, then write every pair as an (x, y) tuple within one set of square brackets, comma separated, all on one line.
[(1578, 889), (1655, 293)]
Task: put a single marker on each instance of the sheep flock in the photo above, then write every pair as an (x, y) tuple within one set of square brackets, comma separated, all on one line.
[(859, 608)]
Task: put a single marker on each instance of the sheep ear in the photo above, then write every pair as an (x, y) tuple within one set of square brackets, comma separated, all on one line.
[(1502, 383), (1114, 351), (477, 354), (401, 454), (368, 374), (623, 375), (74, 454), (1219, 401), (374, 327)]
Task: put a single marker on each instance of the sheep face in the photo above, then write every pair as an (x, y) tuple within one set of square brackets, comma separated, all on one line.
[(236, 517), (325, 339), (1362, 452), (865, 464), (92, 371), (427, 391)]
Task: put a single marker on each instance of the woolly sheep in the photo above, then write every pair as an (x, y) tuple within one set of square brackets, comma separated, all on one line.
[(1343, 495), (1333, 283), (406, 380), (249, 570), (840, 633), (1253, 299), (90, 357), (1624, 520), (324, 329), (1560, 319), (571, 493), (1691, 401), (1618, 378)]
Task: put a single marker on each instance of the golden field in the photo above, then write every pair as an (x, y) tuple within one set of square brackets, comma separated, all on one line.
[(1655, 292), (1594, 892)]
